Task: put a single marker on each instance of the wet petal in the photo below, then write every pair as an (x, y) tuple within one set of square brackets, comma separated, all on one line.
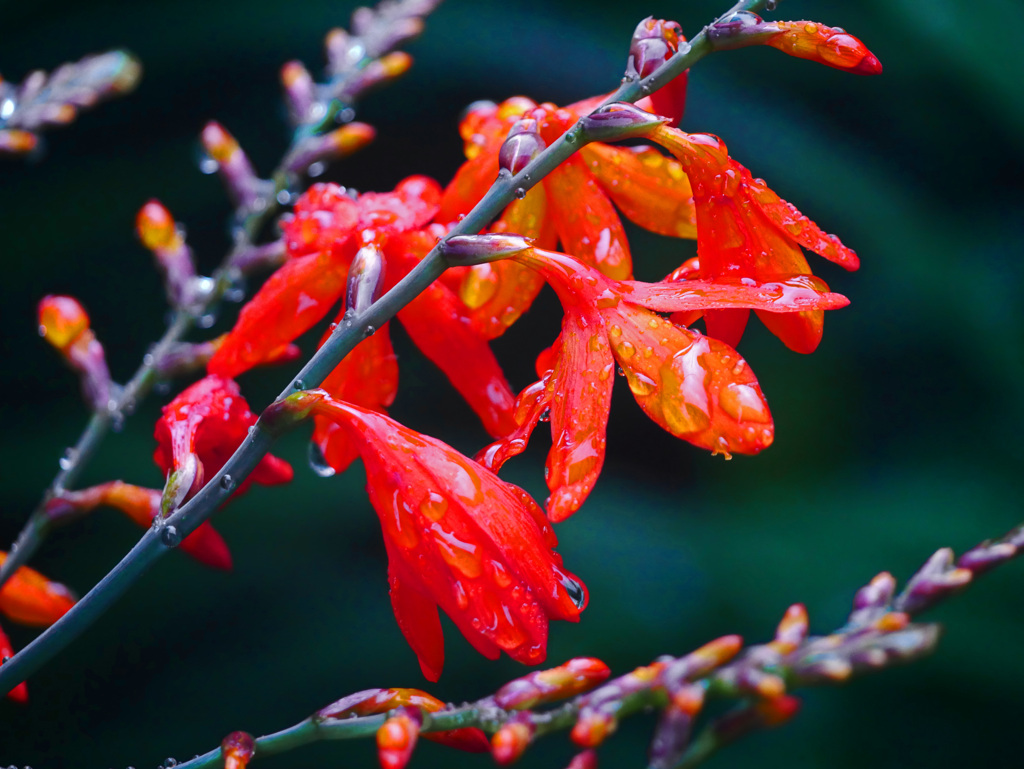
[(418, 620), (650, 189), (31, 599)]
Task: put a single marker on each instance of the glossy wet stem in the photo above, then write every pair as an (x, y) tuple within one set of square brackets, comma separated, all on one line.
[(155, 542)]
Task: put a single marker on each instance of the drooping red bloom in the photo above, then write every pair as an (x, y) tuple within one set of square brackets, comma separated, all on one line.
[(142, 505), (325, 234), (458, 538), (200, 430), (745, 231), (693, 386)]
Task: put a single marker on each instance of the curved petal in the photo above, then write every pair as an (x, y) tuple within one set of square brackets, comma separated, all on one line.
[(31, 599), (650, 189), (694, 386), (417, 618), (726, 325), (465, 190), (295, 297), (581, 389), (587, 224), (787, 295), (530, 405)]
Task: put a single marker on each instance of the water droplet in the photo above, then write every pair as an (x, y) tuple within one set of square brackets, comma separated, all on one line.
[(545, 415), (434, 506), (743, 403), (318, 463), (170, 537), (316, 169), (67, 461), (770, 5), (208, 165), (520, 193), (346, 115), (284, 197), (298, 384), (148, 359), (575, 590), (640, 384), (369, 331), (226, 481), (479, 286)]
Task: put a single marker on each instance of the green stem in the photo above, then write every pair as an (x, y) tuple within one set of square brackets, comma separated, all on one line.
[(341, 342)]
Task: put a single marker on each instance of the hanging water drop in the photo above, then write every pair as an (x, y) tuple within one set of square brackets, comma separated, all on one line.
[(318, 463), (298, 384), (520, 193), (575, 590), (67, 460), (316, 169), (226, 481), (170, 537)]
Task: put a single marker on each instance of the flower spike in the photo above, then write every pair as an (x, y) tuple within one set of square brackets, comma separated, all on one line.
[(457, 537)]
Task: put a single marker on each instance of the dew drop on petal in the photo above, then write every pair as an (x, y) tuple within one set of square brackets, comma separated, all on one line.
[(434, 506), (743, 403)]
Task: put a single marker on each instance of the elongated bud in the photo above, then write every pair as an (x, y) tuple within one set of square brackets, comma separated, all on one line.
[(575, 676), (825, 668), (523, 143), (760, 684), (343, 52), (671, 738), (365, 279), (987, 555), (830, 46), (619, 120), (243, 186), (396, 738), (477, 249), (380, 71), (339, 143), (935, 580), (512, 739), (777, 710), (702, 661), (17, 142), (792, 629), (237, 749), (159, 233), (655, 41), (64, 324), (298, 91), (62, 320)]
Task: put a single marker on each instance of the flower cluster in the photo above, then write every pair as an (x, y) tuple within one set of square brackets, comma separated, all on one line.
[(458, 538)]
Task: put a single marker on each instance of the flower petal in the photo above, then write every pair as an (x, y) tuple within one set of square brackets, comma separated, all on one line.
[(418, 620), (20, 692), (650, 189), (295, 297), (787, 295), (587, 224), (31, 599)]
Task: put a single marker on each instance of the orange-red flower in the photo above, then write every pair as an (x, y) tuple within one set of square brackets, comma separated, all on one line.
[(325, 234), (200, 430), (458, 538), (30, 598), (693, 386), (744, 231)]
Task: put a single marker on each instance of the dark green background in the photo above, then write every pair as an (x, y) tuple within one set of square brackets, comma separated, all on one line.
[(900, 435)]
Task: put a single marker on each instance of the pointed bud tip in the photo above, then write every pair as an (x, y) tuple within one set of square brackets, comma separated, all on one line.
[(61, 320), (155, 226), (220, 144)]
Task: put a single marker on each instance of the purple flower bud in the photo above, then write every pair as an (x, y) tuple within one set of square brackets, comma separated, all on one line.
[(935, 580), (876, 594), (476, 249), (619, 120), (246, 189), (298, 91), (654, 42), (737, 29), (671, 738), (365, 279), (522, 144), (986, 556)]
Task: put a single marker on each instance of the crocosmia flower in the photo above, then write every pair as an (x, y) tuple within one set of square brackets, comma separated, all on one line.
[(200, 430), (694, 386), (745, 231), (323, 237), (31, 599), (458, 538)]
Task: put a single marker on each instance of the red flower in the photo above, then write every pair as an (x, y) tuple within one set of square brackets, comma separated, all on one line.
[(200, 430), (322, 239), (573, 205), (693, 386), (457, 537), (744, 230)]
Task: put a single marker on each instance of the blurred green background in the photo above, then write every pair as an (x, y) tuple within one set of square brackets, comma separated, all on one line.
[(900, 435)]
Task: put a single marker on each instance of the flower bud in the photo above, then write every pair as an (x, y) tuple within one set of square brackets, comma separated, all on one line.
[(237, 750), (17, 142), (986, 556), (619, 120), (339, 143), (792, 629), (65, 325), (575, 676), (365, 279), (155, 226), (62, 320), (396, 738), (298, 91), (592, 728), (934, 581), (655, 42), (585, 760), (476, 249), (243, 186), (523, 143), (512, 740), (159, 233)]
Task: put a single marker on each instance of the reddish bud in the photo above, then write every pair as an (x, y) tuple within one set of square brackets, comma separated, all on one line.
[(17, 142), (575, 676), (155, 226), (592, 728), (396, 738), (511, 740), (585, 760), (62, 320), (523, 143), (777, 710), (237, 749), (220, 145), (792, 629)]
